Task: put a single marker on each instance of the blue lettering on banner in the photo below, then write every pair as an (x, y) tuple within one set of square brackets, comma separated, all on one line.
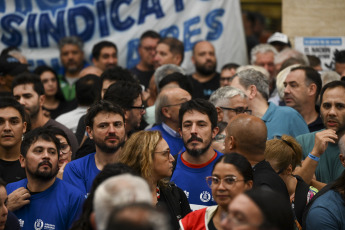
[(23, 6), (179, 5), (86, 14), (116, 22), (212, 23), (53, 6), (145, 10), (46, 27), (15, 38), (30, 28), (171, 31), (103, 25), (133, 57), (188, 45), (322, 41)]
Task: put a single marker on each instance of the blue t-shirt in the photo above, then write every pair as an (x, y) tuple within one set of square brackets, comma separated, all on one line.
[(327, 212), (175, 143), (281, 120), (192, 181), (81, 172), (55, 208)]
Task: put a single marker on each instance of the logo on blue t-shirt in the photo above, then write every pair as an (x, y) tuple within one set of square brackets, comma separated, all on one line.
[(38, 224), (205, 196)]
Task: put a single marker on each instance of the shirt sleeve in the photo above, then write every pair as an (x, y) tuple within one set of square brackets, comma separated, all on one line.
[(321, 218), (72, 176)]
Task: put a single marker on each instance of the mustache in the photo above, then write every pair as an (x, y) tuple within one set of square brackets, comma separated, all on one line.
[(112, 136), (45, 162), (195, 138)]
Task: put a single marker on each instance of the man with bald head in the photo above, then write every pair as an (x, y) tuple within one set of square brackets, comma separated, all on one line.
[(247, 135), (168, 104), (205, 78)]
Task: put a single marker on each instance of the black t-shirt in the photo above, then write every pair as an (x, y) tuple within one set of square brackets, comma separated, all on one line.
[(11, 171), (143, 76), (204, 90)]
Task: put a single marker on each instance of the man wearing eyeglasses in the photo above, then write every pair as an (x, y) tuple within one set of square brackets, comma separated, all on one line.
[(228, 70), (229, 102), (168, 104), (278, 119)]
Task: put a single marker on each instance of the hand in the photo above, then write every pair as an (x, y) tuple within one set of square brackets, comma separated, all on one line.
[(61, 170), (321, 141), (18, 198)]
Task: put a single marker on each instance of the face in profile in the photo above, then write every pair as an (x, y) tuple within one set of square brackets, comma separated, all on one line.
[(3, 207)]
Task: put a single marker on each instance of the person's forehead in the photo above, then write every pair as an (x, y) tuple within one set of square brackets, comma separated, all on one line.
[(108, 49), (40, 142), (9, 112), (104, 116), (265, 56), (331, 92), (149, 40), (70, 47), (194, 115), (23, 88), (163, 47), (297, 75)]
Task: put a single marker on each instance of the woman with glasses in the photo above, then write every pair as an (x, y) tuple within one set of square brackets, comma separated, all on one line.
[(148, 154), (65, 149), (232, 174), (284, 155)]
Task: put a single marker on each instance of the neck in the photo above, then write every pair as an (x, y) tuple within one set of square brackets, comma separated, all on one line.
[(103, 159), (143, 67), (11, 153), (258, 106), (308, 113), (172, 125), (203, 78), (200, 159), (35, 185), (72, 75), (39, 121)]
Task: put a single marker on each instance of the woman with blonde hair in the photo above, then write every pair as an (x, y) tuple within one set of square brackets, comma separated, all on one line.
[(148, 154), (284, 155)]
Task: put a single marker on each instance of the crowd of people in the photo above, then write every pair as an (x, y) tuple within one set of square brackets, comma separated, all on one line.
[(97, 146)]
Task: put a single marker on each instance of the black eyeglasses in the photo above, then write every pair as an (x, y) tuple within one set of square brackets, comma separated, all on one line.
[(238, 110), (142, 107), (225, 79)]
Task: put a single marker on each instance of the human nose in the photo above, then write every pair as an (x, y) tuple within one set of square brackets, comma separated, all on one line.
[(287, 89), (193, 129), (111, 129), (171, 158), (7, 125), (21, 101)]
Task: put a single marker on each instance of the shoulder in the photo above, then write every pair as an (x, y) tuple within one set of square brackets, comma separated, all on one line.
[(68, 189), (81, 162), (13, 186)]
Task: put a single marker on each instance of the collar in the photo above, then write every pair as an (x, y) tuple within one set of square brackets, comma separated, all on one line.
[(169, 130)]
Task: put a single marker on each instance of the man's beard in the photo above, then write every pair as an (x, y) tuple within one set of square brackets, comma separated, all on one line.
[(45, 175), (109, 149), (206, 71), (197, 152)]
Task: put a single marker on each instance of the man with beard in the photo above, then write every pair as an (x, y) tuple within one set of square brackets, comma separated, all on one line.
[(72, 60), (198, 126), (205, 78), (28, 90), (320, 148), (49, 203), (104, 55), (105, 124)]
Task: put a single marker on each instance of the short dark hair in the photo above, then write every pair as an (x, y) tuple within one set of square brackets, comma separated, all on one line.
[(313, 60), (88, 89), (339, 56), (240, 162), (175, 46), (149, 34), (331, 85), (40, 70), (201, 105), (230, 66), (101, 106), (117, 73), (6, 102), (180, 79), (71, 40), (123, 93), (58, 131), (36, 134), (97, 48), (311, 76), (29, 78)]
